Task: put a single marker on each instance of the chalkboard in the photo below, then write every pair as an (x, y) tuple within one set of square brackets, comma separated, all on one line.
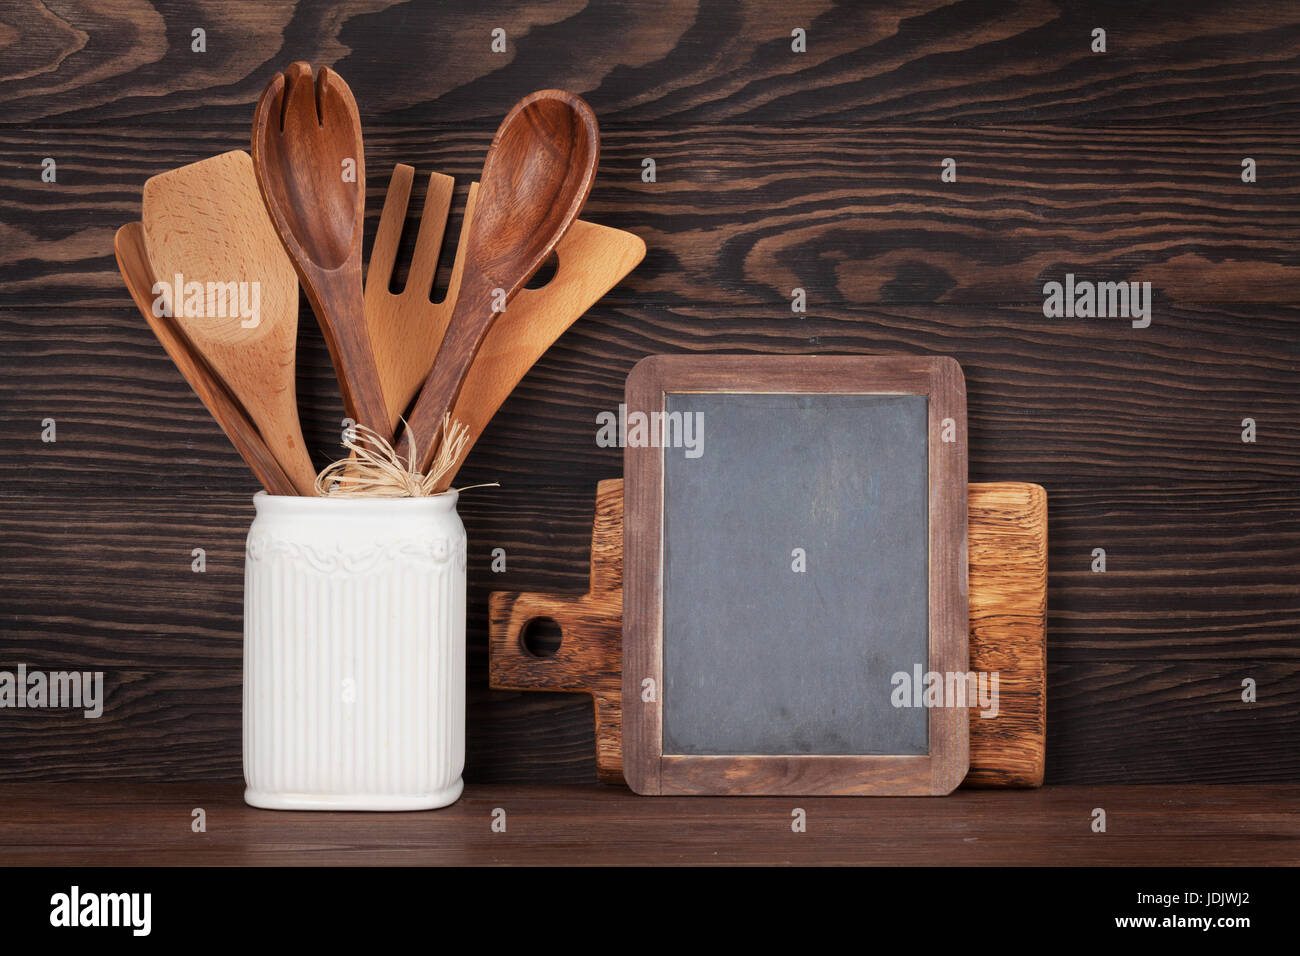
[(795, 538), (759, 532)]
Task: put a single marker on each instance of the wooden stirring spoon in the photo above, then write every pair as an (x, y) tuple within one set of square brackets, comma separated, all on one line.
[(537, 176), (310, 165), (206, 229), (133, 261)]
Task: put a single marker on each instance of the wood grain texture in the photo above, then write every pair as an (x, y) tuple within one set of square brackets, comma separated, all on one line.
[(742, 215), (590, 656), (1007, 537), (1166, 598), (121, 825), (589, 660), (1141, 722), (949, 577), (646, 767), (1008, 612), (643, 616), (1062, 404), (1215, 64)]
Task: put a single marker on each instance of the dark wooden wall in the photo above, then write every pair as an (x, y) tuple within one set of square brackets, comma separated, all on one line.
[(776, 170)]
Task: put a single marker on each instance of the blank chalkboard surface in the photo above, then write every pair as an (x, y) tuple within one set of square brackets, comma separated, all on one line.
[(795, 536), (795, 550)]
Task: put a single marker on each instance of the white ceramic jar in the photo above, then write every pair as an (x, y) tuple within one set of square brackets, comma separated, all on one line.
[(354, 653)]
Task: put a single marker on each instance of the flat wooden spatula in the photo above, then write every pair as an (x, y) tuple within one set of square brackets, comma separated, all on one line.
[(232, 291), (137, 270)]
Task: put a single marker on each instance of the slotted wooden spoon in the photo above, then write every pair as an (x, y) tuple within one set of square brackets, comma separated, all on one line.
[(310, 165), (206, 223), (133, 262), (406, 328), (537, 176)]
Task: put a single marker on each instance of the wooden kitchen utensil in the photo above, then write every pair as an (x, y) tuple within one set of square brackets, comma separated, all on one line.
[(1007, 540), (205, 228), (537, 176), (406, 328), (310, 165), (133, 261)]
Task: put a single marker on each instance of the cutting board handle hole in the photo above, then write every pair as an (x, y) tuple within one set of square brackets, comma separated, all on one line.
[(541, 637)]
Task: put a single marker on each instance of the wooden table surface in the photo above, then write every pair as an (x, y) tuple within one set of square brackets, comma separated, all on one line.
[(134, 824)]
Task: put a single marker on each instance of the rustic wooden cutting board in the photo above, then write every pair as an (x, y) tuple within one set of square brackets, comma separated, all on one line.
[(1007, 541)]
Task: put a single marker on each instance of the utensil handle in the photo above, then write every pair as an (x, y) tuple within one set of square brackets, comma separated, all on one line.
[(468, 327), (348, 340), (590, 656)]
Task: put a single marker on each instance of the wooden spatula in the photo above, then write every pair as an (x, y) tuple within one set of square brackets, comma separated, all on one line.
[(406, 328), (133, 261), (206, 224)]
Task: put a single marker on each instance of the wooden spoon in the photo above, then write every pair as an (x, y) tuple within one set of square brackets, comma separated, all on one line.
[(407, 328), (310, 166), (206, 223), (537, 176), (133, 261)]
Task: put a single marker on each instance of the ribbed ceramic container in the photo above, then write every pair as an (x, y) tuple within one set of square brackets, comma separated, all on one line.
[(354, 653)]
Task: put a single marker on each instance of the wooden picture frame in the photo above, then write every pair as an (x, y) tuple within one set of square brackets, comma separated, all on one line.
[(647, 768)]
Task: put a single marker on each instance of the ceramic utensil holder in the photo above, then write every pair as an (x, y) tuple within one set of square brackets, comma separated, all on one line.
[(354, 653)]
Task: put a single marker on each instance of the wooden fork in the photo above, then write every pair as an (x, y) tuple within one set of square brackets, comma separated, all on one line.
[(406, 328)]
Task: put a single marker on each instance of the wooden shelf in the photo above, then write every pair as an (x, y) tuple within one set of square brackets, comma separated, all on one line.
[(150, 824)]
